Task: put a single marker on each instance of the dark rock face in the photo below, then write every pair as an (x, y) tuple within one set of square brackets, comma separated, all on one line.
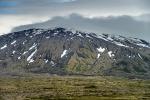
[(61, 51)]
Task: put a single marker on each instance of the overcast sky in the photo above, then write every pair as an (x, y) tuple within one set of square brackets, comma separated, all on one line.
[(124, 17)]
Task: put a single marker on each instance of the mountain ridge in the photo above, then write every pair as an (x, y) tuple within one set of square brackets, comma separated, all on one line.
[(62, 51)]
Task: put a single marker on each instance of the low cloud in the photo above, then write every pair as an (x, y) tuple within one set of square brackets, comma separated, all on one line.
[(121, 25)]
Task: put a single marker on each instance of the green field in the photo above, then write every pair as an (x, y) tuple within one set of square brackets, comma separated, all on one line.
[(73, 88)]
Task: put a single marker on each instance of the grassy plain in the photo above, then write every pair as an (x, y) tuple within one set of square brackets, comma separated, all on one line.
[(73, 88)]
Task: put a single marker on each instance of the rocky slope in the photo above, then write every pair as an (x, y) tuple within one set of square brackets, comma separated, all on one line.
[(61, 51)]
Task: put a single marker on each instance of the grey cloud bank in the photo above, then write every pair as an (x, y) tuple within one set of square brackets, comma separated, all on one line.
[(121, 25)]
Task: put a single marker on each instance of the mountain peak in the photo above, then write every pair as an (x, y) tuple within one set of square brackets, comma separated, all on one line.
[(64, 51)]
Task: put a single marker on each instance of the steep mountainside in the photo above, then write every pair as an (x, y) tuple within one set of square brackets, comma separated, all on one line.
[(61, 51)]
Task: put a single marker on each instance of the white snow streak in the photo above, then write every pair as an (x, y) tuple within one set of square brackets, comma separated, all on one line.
[(13, 42), (5, 46), (25, 52), (143, 45), (33, 46), (139, 55), (29, 59), (64, 53), (19, 57), (120, 44), (98, 55)]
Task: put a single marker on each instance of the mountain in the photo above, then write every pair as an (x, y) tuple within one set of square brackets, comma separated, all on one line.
[(69, 52)]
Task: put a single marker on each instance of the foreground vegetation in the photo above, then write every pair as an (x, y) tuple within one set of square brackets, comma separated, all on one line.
[(73, 88)]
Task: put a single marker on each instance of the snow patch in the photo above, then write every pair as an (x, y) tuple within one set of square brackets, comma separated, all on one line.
[(79, 34), (99, 36), (140, 56), (64, 53), (33, 46), (26, 34), (98, 55), (101, 50), (120, 44), (88, 36), (55, 33), (143, 45), (13, 42), (37, 32), (110, 53), (19, 57), (73, 31), (119, 37), (47, 37), (52, 62), (24, 42), (109, 38), (46, 60), (129, 56), (72, 38), (25, 52), (14, 52), (29, 59), (5, 46)]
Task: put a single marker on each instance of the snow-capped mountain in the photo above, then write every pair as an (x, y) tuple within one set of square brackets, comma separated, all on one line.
[(62, 51)]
